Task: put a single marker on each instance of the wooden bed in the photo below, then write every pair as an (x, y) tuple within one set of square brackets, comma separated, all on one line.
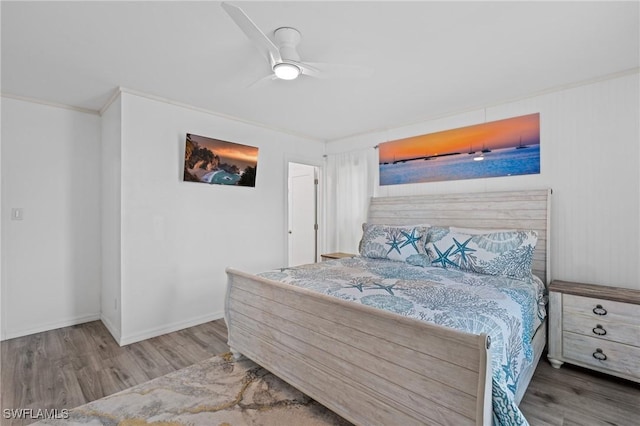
[(374, 367)]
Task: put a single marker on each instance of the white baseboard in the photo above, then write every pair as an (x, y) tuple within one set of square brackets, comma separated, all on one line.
[(168, 328), (11, 334), (122, 340), (115, 332)]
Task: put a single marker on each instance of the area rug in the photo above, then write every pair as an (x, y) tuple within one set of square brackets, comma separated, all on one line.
[(217, 392)]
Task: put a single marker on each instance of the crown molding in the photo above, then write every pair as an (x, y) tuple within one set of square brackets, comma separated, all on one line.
[(51, 104), (156, 98), (115, 95)]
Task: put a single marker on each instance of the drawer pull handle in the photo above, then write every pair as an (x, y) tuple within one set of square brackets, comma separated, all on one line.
[(599, 330), (599, 310), (599, 355)]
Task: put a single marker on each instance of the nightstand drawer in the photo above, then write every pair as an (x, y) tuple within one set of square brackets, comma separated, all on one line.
[(623, 313), (602, 328), (602, 354)]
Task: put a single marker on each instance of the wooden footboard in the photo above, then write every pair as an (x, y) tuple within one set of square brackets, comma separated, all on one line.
[(372, 367)]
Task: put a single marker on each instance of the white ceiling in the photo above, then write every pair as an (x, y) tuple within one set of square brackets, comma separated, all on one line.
[(428, 58)]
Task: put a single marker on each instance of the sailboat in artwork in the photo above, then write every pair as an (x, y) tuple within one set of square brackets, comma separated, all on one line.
[(520, 146)]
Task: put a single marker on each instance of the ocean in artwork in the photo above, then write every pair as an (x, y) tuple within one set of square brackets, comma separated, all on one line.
[(510, 161), (506, 147), (215, 161)]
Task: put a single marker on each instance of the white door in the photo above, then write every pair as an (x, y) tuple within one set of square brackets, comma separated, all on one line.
[(302, 214)]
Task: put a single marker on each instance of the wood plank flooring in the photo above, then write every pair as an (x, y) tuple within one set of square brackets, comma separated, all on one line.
[(573, 396), (71, 366)]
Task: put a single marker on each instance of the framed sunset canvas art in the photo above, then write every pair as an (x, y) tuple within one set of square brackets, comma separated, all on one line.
[(506, 147), (215, 161)]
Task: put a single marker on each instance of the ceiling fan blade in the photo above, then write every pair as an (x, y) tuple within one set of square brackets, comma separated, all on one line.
[(251, 30), (262, 81), (323, 70), (308, 69)]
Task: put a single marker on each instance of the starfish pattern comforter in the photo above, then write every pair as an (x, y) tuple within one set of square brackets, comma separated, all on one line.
[(509, 310)]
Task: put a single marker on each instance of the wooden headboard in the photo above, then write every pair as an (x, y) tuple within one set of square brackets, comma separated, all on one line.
[(524, 210)]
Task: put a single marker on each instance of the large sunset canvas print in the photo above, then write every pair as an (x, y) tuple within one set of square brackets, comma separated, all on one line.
[(499, 148), (219, 162)]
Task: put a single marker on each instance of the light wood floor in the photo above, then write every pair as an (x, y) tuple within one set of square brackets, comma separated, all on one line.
[(71, 366)]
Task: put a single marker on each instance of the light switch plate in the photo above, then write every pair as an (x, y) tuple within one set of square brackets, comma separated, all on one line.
[(17, 213)]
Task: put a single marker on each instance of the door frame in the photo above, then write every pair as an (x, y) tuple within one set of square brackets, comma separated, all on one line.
[(319, 165)]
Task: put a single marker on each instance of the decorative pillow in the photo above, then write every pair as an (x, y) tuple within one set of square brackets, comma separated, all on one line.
[(392, 242), (508, 253), (421, 225), (479, 231), (419, 259)]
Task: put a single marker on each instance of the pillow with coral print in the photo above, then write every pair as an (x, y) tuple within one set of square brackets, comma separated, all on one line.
[(392, 242), (505, 253)]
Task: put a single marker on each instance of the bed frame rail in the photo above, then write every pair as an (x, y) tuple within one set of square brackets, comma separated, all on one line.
[(371, 367)]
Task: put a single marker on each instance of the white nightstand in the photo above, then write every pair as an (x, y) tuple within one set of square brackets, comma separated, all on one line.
[(596, 327)]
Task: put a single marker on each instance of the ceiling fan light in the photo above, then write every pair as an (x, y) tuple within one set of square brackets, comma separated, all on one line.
[(285, 71)]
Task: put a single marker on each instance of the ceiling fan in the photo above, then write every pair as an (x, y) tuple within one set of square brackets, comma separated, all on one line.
[(282, 55)]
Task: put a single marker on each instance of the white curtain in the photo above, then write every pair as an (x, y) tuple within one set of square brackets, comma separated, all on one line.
[(351, 179)]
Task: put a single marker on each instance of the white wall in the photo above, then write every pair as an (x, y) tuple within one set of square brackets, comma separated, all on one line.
[(2, 269), (590, 157), (111, 231), (51, 259), (178, 237), (111, 138)]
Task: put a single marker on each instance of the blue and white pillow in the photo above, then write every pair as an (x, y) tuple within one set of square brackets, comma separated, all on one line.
[(507, 253), (392, 242)]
